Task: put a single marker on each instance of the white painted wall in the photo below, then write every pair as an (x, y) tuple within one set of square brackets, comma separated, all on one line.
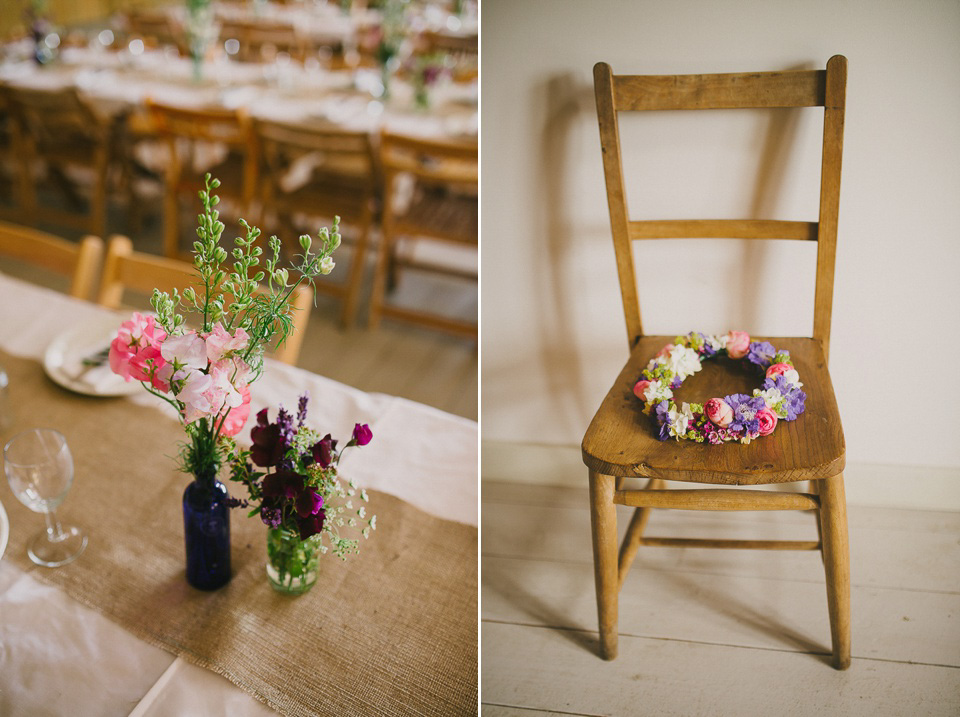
[(553, 334)]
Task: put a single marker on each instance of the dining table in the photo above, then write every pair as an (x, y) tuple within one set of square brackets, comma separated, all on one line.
[(389, 631)]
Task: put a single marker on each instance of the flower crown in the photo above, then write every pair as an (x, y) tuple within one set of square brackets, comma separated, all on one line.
[(736, 417)]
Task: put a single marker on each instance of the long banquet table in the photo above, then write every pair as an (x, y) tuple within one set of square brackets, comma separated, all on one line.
[(118, 632)]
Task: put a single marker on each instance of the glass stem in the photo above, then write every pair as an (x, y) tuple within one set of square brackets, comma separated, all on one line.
[(54, 531)]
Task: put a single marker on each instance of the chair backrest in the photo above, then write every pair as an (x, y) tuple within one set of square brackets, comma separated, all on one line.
[(814, 88), (125, 268), (56, 119), (209, 125), (428, 160), (80, 262), (333, 151)]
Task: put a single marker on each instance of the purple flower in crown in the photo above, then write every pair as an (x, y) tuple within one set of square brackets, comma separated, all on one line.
[(744, 413), (794, 398), (662, 414), (705, 350), (761, 353)]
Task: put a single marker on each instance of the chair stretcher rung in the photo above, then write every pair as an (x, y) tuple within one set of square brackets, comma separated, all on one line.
[(716, 499), (731, 544)]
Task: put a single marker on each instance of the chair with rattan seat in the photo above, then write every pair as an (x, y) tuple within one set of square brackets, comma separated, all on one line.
[(440, 206), (126, 269), (620, 448), (201, 140), (79, 262), (59, 129), (310, 174)]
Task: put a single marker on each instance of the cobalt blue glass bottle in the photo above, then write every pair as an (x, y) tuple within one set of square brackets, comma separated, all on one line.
[(206, 528)]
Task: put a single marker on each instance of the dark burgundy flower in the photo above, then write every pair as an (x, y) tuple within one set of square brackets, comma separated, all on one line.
[(311, 525), (262, 419), (323, 450), (268, 448), (283, 484), (362, 434), (308, 502)]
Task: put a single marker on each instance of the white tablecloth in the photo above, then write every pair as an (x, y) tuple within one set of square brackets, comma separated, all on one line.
[(59, 657)]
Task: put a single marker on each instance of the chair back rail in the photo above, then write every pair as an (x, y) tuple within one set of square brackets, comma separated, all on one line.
[(632, 93), (80, 262)]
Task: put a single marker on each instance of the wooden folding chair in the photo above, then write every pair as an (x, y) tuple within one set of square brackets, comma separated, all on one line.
[(126, 269), (620, 443), (213, 140), (59, 129), (441, 208), (79, 262), (311, 173)]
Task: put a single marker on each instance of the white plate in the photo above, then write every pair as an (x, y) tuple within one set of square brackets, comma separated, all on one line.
[(4, 530), (64, 356)]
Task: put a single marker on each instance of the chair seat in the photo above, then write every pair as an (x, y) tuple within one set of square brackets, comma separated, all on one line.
[(622, 441), (448, 216)]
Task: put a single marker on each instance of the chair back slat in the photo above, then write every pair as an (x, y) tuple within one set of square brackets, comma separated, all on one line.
[(80, 262), (722, 229), (815, 88), (721, 91)]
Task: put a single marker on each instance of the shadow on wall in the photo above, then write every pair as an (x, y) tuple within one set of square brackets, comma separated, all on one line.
[(780, 140), (565, 102)]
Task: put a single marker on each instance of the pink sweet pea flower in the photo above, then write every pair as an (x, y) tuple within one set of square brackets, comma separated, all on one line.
[(134, 353), (738, 344), (195, 387), (767, 420), (665, 351), (220, 343), (187, 350), (235, 420)]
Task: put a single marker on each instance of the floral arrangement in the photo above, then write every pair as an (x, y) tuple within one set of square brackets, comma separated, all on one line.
[(205, 373), (426, 71), (301, 491), (737, 417)]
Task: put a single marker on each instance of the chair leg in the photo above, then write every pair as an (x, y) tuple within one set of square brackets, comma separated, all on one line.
[(630, 545), (836, 559), (355, 280), (603, 523)]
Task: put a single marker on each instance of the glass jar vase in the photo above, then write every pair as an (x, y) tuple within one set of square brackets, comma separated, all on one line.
[(291, 562)]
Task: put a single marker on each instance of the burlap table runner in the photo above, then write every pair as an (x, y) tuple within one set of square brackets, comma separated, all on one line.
[(392, 631)]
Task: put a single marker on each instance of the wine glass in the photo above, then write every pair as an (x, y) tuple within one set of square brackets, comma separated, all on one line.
[(39, 468)]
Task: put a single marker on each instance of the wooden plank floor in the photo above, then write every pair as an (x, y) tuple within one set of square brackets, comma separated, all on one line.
[(714, 632)]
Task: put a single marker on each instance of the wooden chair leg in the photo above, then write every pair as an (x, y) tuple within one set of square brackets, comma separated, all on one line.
[(836, 560), (603, 523), (638, 523), (355, 280), (379, 279), (814, 486)]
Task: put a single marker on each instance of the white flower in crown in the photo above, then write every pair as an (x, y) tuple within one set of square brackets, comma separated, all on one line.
[(682, 361), (792, 377), (657, 391), (714, 343), (680, 420), (771, 396), (721, 340)]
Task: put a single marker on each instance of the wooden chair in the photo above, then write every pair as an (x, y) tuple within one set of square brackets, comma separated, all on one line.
[(319, 173), (59, 129), (125, 269), (443, 208), (260, 41), (79, 262), (620, 443), (10, 173), (191, 132)]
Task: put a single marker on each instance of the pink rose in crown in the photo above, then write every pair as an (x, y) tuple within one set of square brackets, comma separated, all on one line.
[(719, 412), (738, 343), (135, 352), (767, 420), (664, 351), (778, 369), (639, 388)]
